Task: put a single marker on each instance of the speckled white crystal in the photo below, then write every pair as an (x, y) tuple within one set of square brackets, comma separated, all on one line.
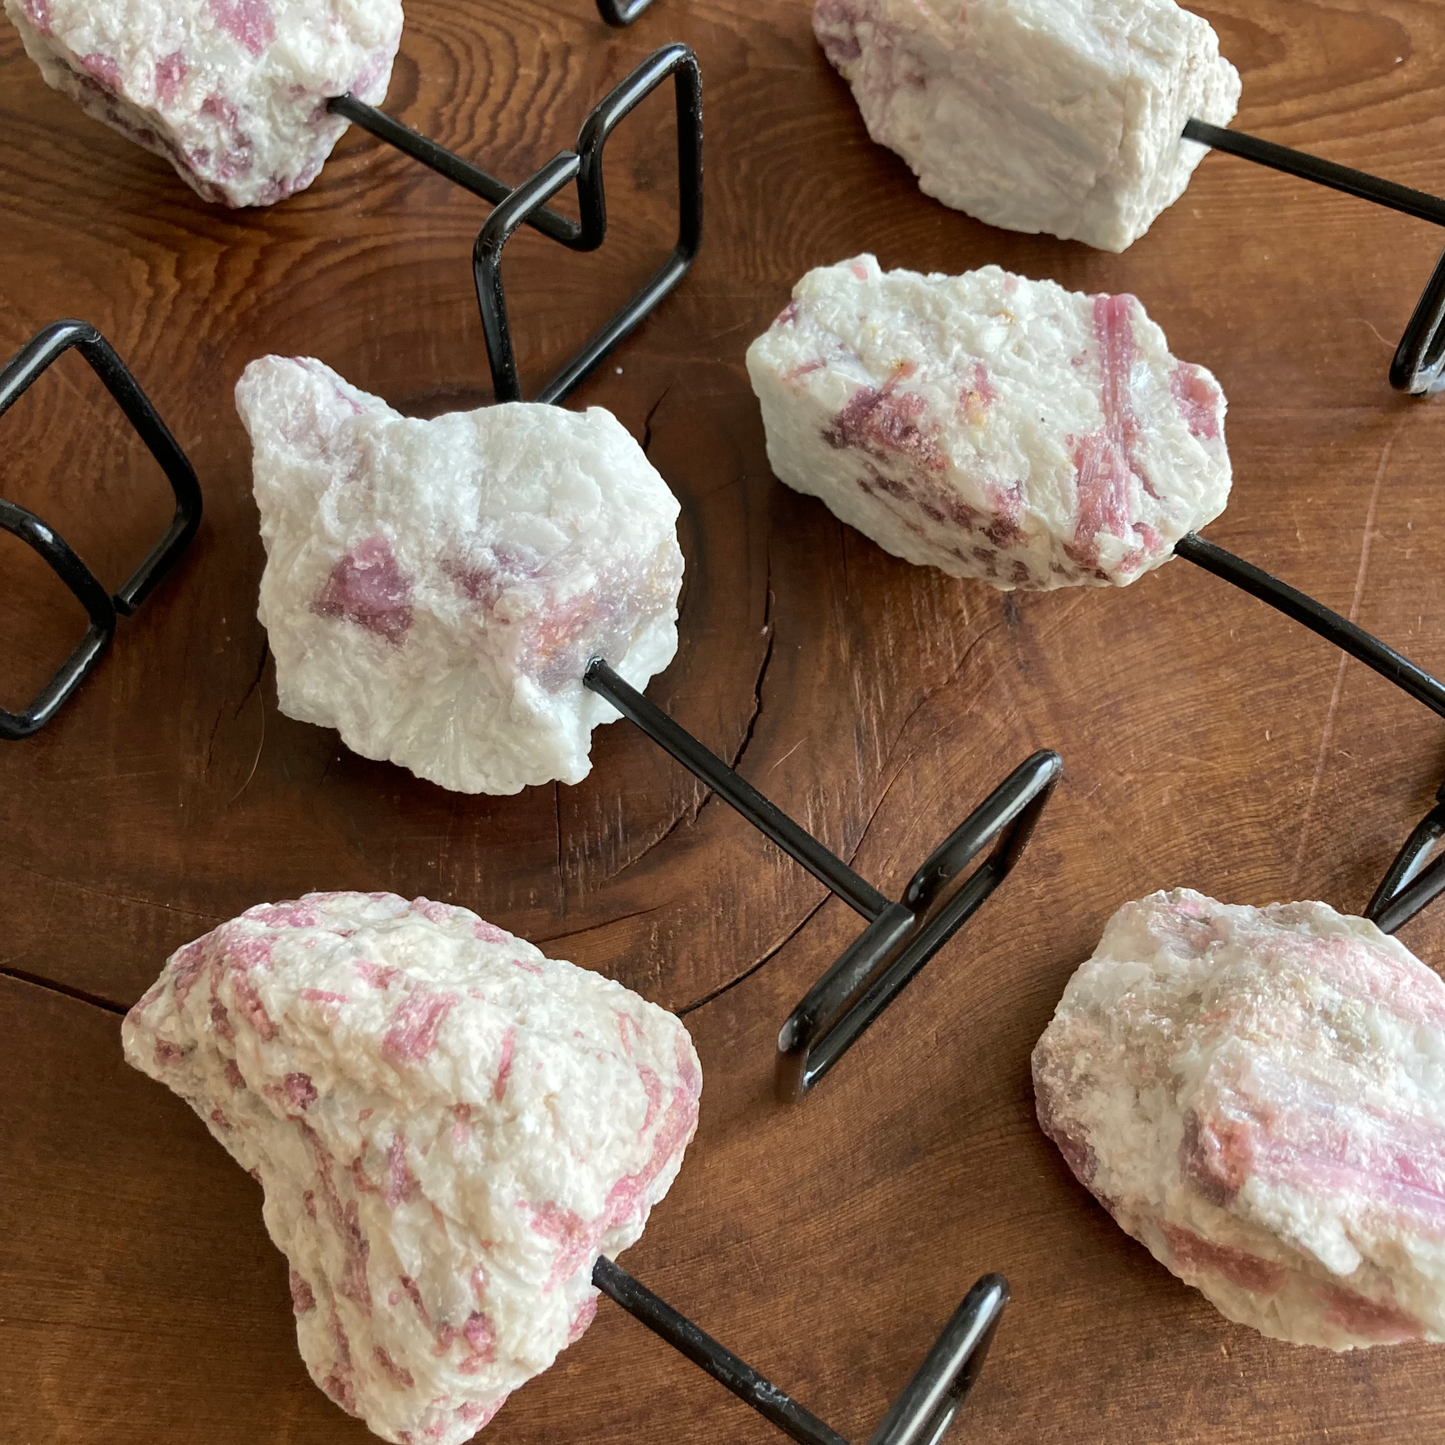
[(1258, 1096), (991, 426), (1063, 116), (448, 1127), (435, 589), (232, 92)]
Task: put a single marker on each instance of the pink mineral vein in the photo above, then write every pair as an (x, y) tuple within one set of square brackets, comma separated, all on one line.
[(1103, 460), (1198, 398), (367, 587), (504, 1064), (247, 21), (415, 1024), (103, 68), (170, 76)]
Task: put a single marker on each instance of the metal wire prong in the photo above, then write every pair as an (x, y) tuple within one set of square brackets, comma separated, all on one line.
[(1325, 173), (769, 819), (449, 164), (1409, 885), (1318, 618), (704, 1351), (1420, 356)]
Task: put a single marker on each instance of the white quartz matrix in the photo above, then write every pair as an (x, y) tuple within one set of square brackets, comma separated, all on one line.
[(232, 92), (1063, 116), (991, 426), (1258, 1096), (448, 1128), (435, 589)]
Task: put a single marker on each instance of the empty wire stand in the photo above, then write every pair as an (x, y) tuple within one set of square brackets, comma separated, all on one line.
[(1419, 364), (921, 1415), (900, 937), (1413, 879), (18, 374), (526, 204)]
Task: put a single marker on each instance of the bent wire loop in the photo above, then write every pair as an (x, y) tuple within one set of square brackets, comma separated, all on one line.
[(1419, 363), (1413, 880), (526, 204), (622, 13), (16, 376), (900, 937), (921, 1415)]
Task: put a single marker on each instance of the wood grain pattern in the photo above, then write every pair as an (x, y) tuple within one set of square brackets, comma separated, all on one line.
[(1207, 741)]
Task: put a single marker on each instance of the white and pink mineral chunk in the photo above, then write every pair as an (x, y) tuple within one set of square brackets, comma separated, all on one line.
[(1258, 1096), (448, 1127), (435, 589), (1061, 116), (232, 92), (991, 426)]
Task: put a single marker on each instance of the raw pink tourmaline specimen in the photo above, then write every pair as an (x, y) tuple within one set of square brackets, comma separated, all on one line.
[(448, 1126), (1258, 1096), (1061, 116), (435, 589), (991, 426), (232, 92)]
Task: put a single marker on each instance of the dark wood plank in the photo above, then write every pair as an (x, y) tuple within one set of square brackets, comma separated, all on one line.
[(1207, 741)]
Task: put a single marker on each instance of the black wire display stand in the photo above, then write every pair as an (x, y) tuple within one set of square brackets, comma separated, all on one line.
[(921, 1415), (1419, 364), (18, 374), (526, 204), (1413, 879), (900, 937)]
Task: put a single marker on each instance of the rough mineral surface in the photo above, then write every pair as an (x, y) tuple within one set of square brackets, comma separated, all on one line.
[(1258, 1096), (232, 92), (435, 589), (1064, 116), (448, 1128), (991, 426)]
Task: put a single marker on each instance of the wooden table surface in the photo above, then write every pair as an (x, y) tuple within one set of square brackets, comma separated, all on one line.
[(1207, 741)]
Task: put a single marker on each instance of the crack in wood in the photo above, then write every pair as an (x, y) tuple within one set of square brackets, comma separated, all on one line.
[(772, 953), (78, 995)]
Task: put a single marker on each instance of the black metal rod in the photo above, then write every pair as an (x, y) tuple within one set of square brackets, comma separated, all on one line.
[(824, 865), (1326, 173), (1410, 885), (1319, 619), (724, 1366), (449, 164)]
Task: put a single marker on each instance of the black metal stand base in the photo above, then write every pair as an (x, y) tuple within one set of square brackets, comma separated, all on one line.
[(526, 204), (1419, 363), (1409, 884), (901, 937), (41, 352), (921, 1415)]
